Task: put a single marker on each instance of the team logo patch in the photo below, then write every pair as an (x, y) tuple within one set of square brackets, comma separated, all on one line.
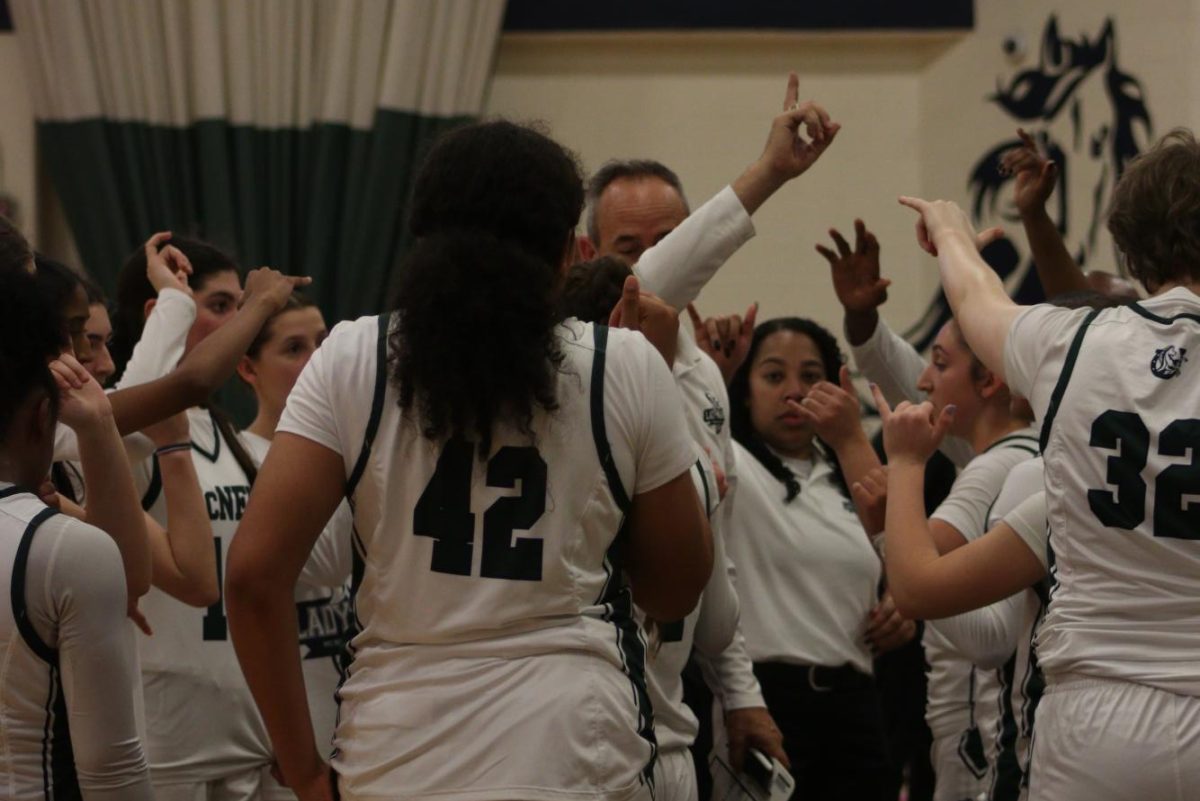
[(714, 415), (1168, 361)]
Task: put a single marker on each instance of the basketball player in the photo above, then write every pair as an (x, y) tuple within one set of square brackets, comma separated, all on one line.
[(1121, 639)]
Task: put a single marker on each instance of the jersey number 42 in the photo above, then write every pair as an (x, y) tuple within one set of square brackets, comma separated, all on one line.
[(444, 513)]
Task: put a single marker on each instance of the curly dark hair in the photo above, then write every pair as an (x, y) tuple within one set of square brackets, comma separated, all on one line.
[(57, 283), (30, 336), (1155, 213), (739, 399), (592, 288), (494, 208), (134, 289)]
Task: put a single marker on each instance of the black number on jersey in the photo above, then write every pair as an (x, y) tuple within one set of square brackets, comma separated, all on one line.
[(1126, 508), (215, 626), (444, 513)]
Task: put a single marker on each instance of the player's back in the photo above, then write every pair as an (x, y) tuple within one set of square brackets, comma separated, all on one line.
[(1122, 456), (495, 620)]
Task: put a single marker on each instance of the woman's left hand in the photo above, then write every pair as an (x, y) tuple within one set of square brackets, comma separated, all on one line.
[(887, 629)]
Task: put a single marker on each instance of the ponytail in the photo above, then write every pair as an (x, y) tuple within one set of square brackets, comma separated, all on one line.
[(228, 433), (475, 344)]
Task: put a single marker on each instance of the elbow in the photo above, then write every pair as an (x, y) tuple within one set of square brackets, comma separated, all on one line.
[(194, 390), (200, 596), (673, 594)]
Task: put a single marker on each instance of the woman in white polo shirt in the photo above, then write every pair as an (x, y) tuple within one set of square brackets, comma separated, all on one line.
[(807, 573)]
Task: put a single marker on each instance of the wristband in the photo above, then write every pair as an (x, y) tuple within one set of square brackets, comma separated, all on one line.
[(178, 446)]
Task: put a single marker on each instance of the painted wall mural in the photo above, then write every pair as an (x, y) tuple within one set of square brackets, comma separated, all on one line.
[(1090, 115)]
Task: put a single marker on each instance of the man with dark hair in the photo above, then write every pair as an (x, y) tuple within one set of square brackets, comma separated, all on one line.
[(637, 212), (15, 252)]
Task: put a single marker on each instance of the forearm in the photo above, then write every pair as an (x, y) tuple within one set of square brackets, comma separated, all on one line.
[(163, 339), (113, 504), (859, 326), (730, 675), (200, 374), (976, 294), (754, 186), (1057, 270), (856, 457), (262, 621), (910, 546), (186, 554)]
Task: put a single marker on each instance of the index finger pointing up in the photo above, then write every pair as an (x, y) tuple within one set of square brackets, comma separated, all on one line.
[(793, 91), (885, 411)]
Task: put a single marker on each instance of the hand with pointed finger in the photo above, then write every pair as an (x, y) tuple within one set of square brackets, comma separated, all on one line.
[(912, 432), (166, 265), (870, 499), (645, 312), (271, 288), (856, 280), (1036, 175), (49, 495), (82, 403), (887, 629), (726, 339), (942, 220), (787, 153), (833, 410)]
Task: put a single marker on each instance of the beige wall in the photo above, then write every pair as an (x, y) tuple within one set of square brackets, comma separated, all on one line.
[(18, 172)]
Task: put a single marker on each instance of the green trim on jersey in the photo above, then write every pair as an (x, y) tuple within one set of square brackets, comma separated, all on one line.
[(1064, 378), (1149, 315), (377, 396), (599, 434)]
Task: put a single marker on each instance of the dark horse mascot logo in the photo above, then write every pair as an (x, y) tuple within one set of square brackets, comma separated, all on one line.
[(1090, 117)]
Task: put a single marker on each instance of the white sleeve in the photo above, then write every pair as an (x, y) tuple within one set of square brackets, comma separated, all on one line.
[(717, 623), (1029, 522), (1038, 335), (338, 379), (329, 563), (680, 265), (1024, 481), (76, 595), (643, 411), (163, 339), (890, 361), (986, 636), (976, 489)]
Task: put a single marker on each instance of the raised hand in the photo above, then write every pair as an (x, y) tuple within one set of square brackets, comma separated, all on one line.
[(82, 403), (645, 312), (833, 410), (271, 287), (912, 433), (855, 272), (726, 338), (1036, 175), (941, 220), (167, 267), (870, 499), (787, 152)]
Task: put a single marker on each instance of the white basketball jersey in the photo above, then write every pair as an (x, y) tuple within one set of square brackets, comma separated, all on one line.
[(201, 722), (1121, 442), (498, 652), (36, 760)]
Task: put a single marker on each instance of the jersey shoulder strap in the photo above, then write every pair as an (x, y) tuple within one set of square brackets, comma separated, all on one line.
[(377, 396), (599, 433), (20, 608), (1063, 379)]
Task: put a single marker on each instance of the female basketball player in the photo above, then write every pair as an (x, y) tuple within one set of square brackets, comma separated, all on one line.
[(506, 664), (1119, 644)]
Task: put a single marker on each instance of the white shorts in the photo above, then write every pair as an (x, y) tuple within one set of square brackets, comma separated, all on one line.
[(1114, 741), (953, 778), (675, 776), (244, 786)]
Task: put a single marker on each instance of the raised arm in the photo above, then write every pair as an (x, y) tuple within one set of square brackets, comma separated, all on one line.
[(1036, 177), (113, 505), (211, 362), (184, 560), (165, 334), (984, 311), (679, 266)]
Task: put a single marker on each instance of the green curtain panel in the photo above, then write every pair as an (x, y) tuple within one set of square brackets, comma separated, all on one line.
[(286, 131)]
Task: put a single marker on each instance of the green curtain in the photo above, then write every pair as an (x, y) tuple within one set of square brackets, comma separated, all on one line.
[(286, 131)]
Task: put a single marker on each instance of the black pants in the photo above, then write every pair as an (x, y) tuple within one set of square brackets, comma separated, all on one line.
[(833, 737)]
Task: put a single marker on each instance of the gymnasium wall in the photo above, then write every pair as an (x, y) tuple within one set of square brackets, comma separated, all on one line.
[(915, 108)]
